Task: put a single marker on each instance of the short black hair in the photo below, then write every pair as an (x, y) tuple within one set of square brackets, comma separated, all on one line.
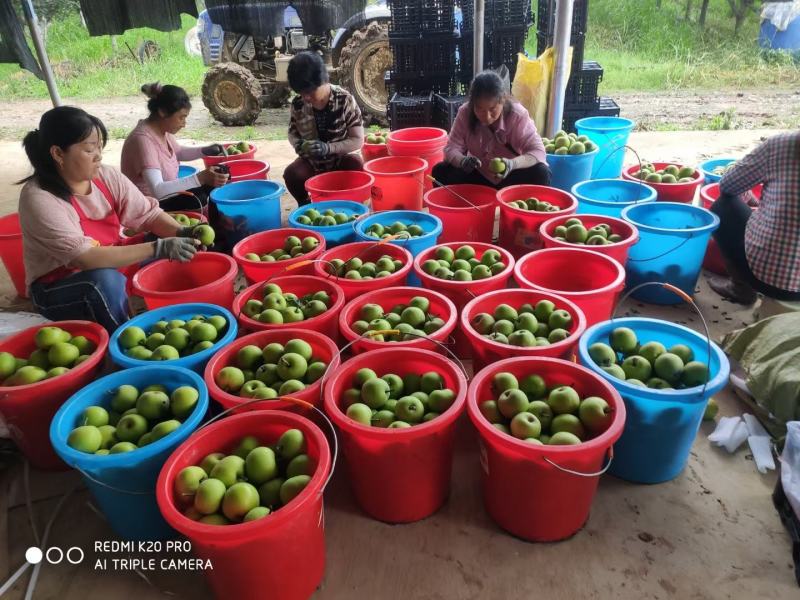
[(63, 126), (487, 85), (168, 99), (307, 72)]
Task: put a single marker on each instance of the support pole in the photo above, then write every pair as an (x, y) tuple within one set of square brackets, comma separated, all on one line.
[(41, 52), (477, 42), (561, 42)]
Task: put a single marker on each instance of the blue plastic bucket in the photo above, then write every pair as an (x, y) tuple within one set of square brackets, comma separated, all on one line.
[(566, 170), (672, 243), (333, 234), (184, 312), (707, 168), (247, 207), (186, 171), (611, 136), (431, 225), (124, 484), (610, 196), (661, 425)]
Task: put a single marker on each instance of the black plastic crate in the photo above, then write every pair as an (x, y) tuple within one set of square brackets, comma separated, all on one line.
[(446, 84), (410, 111), (498, 14), (500, 47), (606, 108), (415, 16), (445, 109), (582, 87), (434, 53), (578, 42), (546, 16)]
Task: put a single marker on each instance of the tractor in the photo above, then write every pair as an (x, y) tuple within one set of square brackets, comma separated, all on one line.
[(248, 73)]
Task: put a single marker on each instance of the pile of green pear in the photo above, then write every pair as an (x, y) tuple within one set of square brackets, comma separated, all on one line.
[(568, 143), (234, 149), (170, 340), (526, 326), (398, 228), (534, 205), (534, 412), (396, 402), (326, 218), (185, 220), (57, 351), (135, 419), (292, 247), (669, 174), (722, 169), (649, 364), (462, 264), (356, 268), (272, 371), (376, 137), (411, 321), (252, 482), (573, 231), (277, 306)]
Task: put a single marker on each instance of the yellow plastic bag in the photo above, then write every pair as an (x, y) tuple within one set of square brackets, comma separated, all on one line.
[(532, 83)]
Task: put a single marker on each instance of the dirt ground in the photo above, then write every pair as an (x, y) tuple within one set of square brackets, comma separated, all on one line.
[(711, 533)]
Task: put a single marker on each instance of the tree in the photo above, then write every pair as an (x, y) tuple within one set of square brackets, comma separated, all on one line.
[(740, 10), (687, 16), (52, 9), (703, 12)]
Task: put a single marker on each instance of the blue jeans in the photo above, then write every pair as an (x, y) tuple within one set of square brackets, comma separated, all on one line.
[(95, 295)]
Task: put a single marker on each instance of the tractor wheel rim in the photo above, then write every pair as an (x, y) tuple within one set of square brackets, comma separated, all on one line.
[(229, 97), (368, 74)]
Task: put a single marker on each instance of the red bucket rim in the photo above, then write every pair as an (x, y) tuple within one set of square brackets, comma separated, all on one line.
[(188, 526), (421, 163), (338, 416), (551, 191), (428, 252), (580, 327), (618, 282), (604, 440), (285, 232), (631, 238), (233, 269), (460, 188), (311, 183), (699, 178), (438, 136), (355, 249)]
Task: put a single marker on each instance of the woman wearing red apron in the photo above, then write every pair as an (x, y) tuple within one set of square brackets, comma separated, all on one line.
[(72, 212)]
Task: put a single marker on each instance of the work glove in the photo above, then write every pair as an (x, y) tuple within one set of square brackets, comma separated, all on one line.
[(212, 150), (319, 149), (176, 248), (298, 148), (509, 163), (470, 163)]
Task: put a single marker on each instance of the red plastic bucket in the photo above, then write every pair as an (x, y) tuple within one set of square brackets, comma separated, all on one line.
[(398, 475), (373, 151), (486, 351), (264, 242), (207, 278), (399, 182), (425, 142), (591, 280), (461, 292), (28, 409), (519, 229), (368, 252), (209, 161), (191, 214), (322, 347), (11, 252), (669, 192), (526, 489), (441, 306), (292, 537), (713, 260), (618, 251), (460, 221), (340, 185), (327, 323), (248, 168)]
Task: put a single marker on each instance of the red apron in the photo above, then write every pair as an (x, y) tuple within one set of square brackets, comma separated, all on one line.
[(106, 232)]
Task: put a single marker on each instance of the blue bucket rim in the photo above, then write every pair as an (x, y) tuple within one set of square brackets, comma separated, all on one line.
[(628, 124), (639, 185), (358, 208), (691, 395), (277, 189), (575, 156), (681, 206), (124, 459), (119, 358), (361, 223), (720, 160)]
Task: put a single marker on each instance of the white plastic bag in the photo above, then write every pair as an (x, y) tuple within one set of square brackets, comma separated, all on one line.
[(780, 14), (790, 466)]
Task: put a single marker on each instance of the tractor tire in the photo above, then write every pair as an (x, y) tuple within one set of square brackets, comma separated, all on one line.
[(363, 62), (232, 94)]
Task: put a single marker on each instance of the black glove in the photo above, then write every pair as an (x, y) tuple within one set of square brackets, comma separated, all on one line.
[(298, 148), (319, 149), (470, 163), (212, 150), (176, 248)]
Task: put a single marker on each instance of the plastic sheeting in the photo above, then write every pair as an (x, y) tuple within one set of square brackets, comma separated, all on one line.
[(13, 47), (265, 18), (114, 17), (781, 14)]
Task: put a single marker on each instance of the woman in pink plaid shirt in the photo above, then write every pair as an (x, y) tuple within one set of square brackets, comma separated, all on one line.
[(761, 247)]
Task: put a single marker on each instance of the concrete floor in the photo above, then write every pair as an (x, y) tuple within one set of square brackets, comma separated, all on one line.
[(710, 533)]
